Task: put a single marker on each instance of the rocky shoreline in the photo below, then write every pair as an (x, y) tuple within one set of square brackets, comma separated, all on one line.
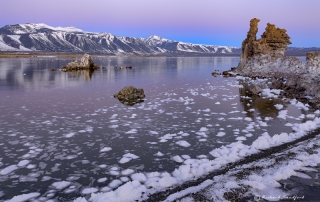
[(264, 58)]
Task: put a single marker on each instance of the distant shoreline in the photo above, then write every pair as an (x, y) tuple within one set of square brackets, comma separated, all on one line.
[(9, 54)]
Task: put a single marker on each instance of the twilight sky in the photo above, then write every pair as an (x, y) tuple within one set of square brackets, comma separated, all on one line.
[(214, 22)]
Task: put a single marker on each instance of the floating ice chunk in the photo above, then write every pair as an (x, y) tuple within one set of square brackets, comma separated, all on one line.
[(102, 180), (261, 123), (279, 106), (127, 157), (23, 163), (89, 190), (47, 122), (183, 143), (61, 185), (113, 172), (139, 176), (127, 172), (300, 105), (82, 131), (186, 156), (8, 169), (241, 138), (115, 183), (289, 124), (203, 134), (113, 126), (132, 131), (202, 140), (220, 134), (106, 149), (124, 179), (206, 110), (70, 135), (302, 175), (217, 103), (159, 154), (154, 132), (202, 156), (24, 197), (282, 114), (248, 119), (203, 129), (311, 116), (177, 159)]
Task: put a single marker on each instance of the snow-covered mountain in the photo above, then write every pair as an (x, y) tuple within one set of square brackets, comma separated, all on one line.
[(41, 37)]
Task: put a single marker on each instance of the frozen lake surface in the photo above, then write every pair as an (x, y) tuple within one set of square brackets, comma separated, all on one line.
[(64, 136)]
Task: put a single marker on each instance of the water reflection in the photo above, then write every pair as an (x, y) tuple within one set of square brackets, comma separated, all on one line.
[(85, 74), (264, 106), (130, 102)]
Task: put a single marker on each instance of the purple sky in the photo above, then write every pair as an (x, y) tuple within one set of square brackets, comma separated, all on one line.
[(216, 22)]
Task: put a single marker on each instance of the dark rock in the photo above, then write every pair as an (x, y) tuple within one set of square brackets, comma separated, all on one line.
[(214, 73), (53, 69), (130, 95), (254, 90)]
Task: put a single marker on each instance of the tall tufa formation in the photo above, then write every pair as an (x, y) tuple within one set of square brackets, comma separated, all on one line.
[(247, 44), (274, 42)]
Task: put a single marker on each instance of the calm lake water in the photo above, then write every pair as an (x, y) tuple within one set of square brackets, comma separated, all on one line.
[(67, 127)]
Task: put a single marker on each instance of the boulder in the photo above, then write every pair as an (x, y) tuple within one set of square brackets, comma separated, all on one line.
[(85, 63), (130, 95)]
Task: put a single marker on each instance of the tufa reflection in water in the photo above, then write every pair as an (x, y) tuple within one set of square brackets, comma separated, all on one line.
[(85, 74)]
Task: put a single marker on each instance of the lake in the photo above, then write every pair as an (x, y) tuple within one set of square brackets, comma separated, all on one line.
[(63, 135)]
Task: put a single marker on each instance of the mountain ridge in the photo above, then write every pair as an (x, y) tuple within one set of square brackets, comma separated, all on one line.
[(42, 37)]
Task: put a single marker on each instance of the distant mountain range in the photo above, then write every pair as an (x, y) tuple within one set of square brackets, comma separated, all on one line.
[(44, 38)]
